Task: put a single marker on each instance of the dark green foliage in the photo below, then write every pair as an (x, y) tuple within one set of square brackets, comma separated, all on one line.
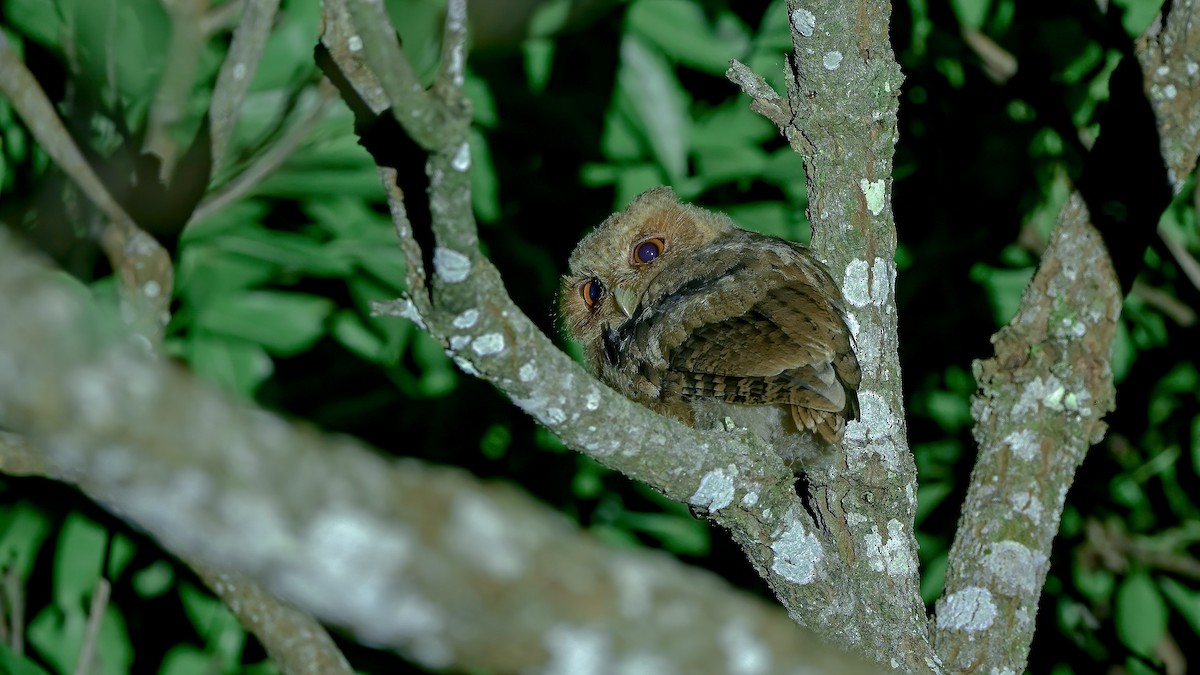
[(573, 119)]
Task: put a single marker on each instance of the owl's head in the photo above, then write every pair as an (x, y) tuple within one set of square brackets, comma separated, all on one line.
[(613, 266)]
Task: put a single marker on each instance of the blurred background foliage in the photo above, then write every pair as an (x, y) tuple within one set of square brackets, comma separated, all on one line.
[(580, 105)]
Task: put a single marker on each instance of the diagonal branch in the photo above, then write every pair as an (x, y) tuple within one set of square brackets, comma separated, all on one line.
[(453, 571), (840, 115), (1043, 394), (743, 487), (142, 265), (237, 72), (175, 83)]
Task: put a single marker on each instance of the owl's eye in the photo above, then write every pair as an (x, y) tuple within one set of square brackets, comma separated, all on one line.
[(648, 249), (590, 290)]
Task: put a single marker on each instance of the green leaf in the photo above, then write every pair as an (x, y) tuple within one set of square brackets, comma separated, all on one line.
[(723, 164), (733, 124), (119, 42), (774, 31), (539, 59), (235, 365), (206, 273), (1096, 583), (221, 632), (682, 535), (649, 92), (284, 323), (485, 186), (38, 19), (681, 31), (588, 482), (620, 140), (11, 664), (929, 496), (304, 176), (633, 180), (1196, 444), (23, 528), (1140, 613), (154, 580), (1185, 601), (971, 12), (287, 56), (1003, 287), (348, 328), (438, 377), (120, 552), (113, 649), (933, 578), (187, 660), (1123, 352), (951, 410), (774, 218), (56, 633), (78, 560), (495, 441)]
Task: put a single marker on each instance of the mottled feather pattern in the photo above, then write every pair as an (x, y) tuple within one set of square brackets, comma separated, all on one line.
[(716, 315)]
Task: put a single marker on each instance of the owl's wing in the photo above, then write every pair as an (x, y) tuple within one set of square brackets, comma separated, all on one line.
[(775, 353)]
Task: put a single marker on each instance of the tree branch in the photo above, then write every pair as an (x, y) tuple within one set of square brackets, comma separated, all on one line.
[(431, 561), (1041, 400), (746, 489), (175, 83), (237, 73), (1043, 394), (843, 84), (142, 265)]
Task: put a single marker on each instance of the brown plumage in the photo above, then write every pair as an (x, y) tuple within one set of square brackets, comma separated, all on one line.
[(680, 309)]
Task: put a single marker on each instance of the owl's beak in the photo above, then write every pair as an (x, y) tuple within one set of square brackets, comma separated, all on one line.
[(626, 299)]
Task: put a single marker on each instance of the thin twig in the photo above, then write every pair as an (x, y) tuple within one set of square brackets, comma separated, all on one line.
[(396, 552), (92, 633), (142, 265), (764, 100), (417, 298), (14, 592), (175, 84), (451, 70), (268, 162), (221, 18), (1186, 262), (423, 117), (1164, 302), (237, 72)]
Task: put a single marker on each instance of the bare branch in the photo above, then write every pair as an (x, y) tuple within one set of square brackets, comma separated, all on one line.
[(1164, 302), (1044, 393), (843, 83), (237, 72), (1189, 265), (221, 18), (1167, 56), (428, 560), (296, 643), (175, 83), (1039, 409), (744, 489), (95, 615), (414, 264), (142, 265), (764, 100), (423, 116), (269, 161)]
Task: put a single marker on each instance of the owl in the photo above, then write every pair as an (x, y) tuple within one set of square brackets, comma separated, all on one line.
[(680, 309)]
